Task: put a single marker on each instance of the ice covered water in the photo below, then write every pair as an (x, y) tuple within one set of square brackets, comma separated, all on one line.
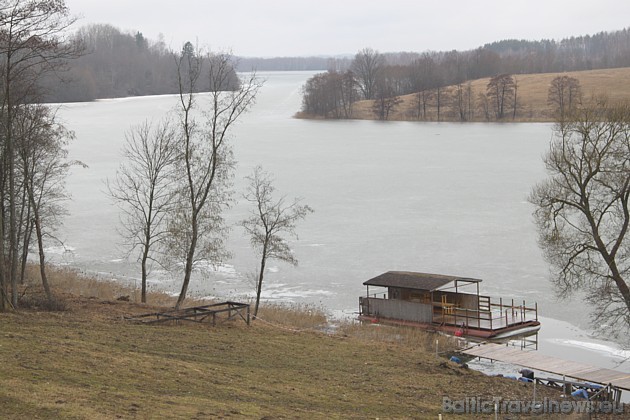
[(433, 197)]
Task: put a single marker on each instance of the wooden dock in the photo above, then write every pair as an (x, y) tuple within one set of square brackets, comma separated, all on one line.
[(557, 366), (222, 312)]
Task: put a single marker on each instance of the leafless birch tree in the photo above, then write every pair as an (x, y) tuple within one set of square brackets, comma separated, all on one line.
[(367, 67), (270, 219), (196, 228), (501, 94), (32, 44), (564, 95), (43, 166), (143, 189)]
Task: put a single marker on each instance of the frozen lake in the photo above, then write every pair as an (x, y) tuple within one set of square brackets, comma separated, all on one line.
[(433, 197)]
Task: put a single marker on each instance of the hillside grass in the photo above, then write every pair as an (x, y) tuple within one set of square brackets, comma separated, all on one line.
[(532, 95), (87, 362)]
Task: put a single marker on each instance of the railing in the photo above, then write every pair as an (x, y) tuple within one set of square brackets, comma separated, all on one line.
[(500, 315)]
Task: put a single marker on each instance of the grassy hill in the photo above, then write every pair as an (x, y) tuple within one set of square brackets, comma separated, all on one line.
[(532, 95), (86, 361)]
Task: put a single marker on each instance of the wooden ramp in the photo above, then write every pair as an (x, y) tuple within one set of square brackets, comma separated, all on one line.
[(223, 311), (534, 360)]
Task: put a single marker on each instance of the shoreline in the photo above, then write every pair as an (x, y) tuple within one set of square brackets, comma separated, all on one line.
[(300, 116), (554, 337)]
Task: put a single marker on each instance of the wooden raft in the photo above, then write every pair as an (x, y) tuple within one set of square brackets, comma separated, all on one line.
[(534, 360), (199, 314)]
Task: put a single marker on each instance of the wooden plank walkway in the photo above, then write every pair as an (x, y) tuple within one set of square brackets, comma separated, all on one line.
[(196, 314), (537, 361)]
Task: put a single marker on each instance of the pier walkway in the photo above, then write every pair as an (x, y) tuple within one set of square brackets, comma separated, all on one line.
[(549, 364)]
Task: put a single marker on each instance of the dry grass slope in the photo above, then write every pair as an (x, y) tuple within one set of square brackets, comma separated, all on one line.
[(88, 363), (532, 94)]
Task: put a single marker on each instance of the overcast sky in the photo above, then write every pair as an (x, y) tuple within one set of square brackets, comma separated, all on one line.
[(271, 28)]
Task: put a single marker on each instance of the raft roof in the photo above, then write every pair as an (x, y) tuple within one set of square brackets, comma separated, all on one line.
[(416, 281)]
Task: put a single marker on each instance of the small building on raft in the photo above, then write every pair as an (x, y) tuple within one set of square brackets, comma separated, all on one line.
[(445, 303)]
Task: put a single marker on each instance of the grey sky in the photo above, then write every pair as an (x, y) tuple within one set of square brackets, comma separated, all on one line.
[(272, 28)]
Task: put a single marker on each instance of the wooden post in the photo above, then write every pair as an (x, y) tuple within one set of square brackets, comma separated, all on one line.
[(466, 317), (478, 318), (247, 314), (491, 319)]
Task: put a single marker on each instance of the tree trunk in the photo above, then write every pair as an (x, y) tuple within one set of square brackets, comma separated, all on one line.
[(4, 298), (515, 101), (439, 100), (145, 257), (42, 259), (190, 257), (623, 289), (28, 232), (263, 261), (10, 159), (22, 235)]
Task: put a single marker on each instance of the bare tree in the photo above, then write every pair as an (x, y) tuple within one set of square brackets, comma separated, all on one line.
[(500, 91), (42, 162), (515, 99), (582, 210), (31, 45), (348, 93), (421, 101), (564, 95), (269, 221), (462, 102), (470, 98), (329, 94), (196, 227), (386, 100), (441, 96), (367, 67), (144, 192), (484, 104)]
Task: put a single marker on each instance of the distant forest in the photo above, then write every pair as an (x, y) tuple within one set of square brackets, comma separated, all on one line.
[(442, 81), (118, 63)]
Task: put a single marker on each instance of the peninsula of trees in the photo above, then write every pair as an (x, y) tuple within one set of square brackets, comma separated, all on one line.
[(118, 63), (502, 81)]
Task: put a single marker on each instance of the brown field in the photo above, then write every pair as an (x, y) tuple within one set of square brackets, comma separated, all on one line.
[(532, 95), (87, 362)]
